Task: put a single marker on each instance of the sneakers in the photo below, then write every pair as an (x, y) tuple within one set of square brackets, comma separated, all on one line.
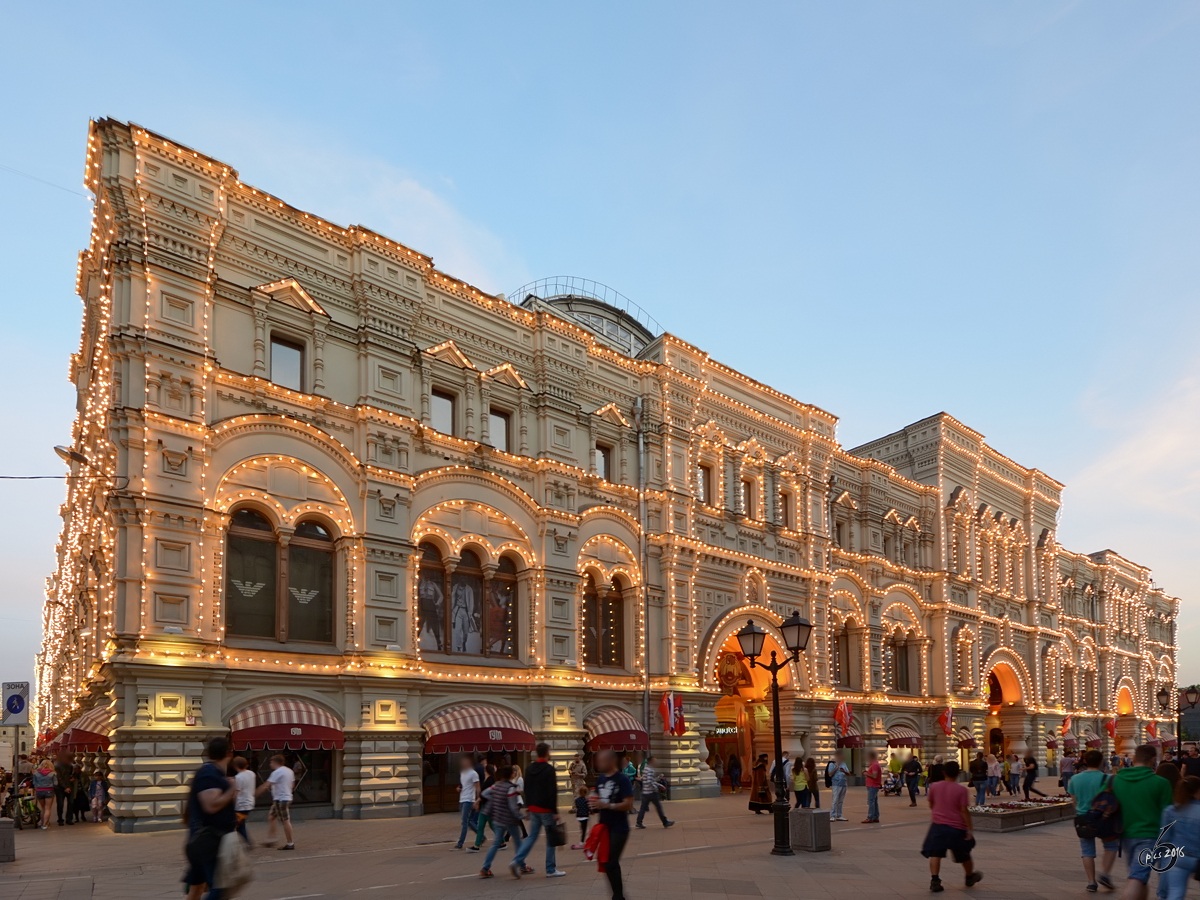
[(1092, 888), (525, 870), (838, 819), (869, 821), (1105, 881), (668, 823), (640, 825), (485, 873), (557, 873), (515, 869), (288, 847), (472, 849), (935, 885), (456, 847), (578, 846), (974, 878)]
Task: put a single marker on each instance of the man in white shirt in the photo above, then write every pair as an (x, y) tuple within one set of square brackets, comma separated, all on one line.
[(244, 803), (468, 790), (280, 782)]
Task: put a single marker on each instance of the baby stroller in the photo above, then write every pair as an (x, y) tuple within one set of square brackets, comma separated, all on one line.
[(893, 784)]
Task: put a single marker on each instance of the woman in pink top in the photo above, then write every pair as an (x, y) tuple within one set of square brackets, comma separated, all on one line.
[(949, 828)]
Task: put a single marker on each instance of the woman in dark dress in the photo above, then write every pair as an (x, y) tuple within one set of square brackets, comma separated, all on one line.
[(735, 772), (760, 787)]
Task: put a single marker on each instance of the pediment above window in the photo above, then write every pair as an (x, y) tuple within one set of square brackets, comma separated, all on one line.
[(289, 291), (505, 374), (448, 351)]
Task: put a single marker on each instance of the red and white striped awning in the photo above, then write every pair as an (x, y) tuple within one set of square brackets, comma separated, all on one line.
[(285, 725), (466, 729), (966, 740), (89, 732), (1092, 739), (903, 736), (611, 728), (852, 738), (1070, 740)]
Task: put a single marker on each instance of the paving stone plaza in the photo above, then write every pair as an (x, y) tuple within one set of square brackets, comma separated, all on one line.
[(717, 850)]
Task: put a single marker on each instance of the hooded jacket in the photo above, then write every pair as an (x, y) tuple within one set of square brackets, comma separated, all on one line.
[(1143, 796)]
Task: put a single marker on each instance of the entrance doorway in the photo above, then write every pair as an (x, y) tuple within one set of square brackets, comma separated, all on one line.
[(440, 775)]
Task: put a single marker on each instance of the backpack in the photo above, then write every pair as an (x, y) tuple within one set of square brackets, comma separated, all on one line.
[(1103, 818), (829, 767)]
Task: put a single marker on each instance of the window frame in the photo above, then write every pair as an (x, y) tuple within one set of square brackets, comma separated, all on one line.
[(704, 475), (749, 497), (486, 580), (443, 394), (600, 652), (280, 631), (785, 509), (293, 343), (602, 451), (495, 412)]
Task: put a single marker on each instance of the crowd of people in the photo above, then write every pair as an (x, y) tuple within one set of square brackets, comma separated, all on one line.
[(62, 788)]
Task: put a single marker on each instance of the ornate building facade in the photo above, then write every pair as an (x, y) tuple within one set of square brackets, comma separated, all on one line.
[(340, 503)]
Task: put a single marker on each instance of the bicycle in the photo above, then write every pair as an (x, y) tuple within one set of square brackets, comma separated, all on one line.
[(21, 805)]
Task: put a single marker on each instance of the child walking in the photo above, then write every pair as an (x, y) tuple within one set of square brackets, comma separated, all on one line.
[(582, 814), (96, 794), (949, 827)]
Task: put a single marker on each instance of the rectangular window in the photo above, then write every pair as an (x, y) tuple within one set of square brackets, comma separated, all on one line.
[(601, 459), (704, 485), (441, 412), (310, 594), (250, 578), (748, 498), (287, 364), (785, 509), (498, 429), (902, 679)]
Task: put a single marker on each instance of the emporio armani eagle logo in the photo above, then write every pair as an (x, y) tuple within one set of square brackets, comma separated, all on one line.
[(302, 596), (246, 589)]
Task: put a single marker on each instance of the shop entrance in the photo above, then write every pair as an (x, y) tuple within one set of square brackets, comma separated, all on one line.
[(314, 774), (1007, 722), (440, 775)]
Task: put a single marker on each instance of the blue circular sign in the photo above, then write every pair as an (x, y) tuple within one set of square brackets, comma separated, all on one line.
[(15, 704)]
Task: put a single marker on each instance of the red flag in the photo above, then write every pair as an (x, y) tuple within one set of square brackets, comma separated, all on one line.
[(1152, 730), (1066, 725), (839, 715), (1110, 726), (946, 720), (679, 726), (666, 709)]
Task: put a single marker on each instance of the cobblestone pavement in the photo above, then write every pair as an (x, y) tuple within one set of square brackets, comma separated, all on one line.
[(717, 851)]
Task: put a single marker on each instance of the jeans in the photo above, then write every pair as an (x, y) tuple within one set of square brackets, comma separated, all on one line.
[(501, 835), (1014, 783), (914, 786), (1131, 849), (616, 844), (1087, 847), (465, 809), (993, 784), (1029, 788), (647, 799), (873, 803), (981, 793), (1066, 779), (62, 798), (839, 797), (1175, 879), (537, 821), (803, 798), (484, 822)]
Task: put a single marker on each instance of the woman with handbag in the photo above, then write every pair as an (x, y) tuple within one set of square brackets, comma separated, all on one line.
[(760, 790)]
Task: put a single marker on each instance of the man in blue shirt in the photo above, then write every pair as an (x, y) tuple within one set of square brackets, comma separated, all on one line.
[(210, 816), (840, 771), (614, 799)]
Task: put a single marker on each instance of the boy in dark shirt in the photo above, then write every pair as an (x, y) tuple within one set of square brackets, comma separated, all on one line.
[(614, 799)]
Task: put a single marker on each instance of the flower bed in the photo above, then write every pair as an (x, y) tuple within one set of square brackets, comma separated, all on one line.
[(1015, 815)]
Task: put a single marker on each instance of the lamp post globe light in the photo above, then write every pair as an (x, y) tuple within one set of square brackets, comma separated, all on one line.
[(796, 631)]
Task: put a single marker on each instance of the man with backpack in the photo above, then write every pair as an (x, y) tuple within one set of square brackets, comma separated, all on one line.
[(1091, 821), (1142, 796)]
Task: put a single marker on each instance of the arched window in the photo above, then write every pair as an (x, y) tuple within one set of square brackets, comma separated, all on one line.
[(898, 650), (840, 655), (273, 594), (462, 626), (604, 624)]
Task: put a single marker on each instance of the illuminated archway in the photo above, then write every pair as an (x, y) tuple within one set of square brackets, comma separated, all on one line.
[(1124, 701)]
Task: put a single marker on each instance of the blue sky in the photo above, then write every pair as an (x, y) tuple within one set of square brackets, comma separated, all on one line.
[(883, 209)]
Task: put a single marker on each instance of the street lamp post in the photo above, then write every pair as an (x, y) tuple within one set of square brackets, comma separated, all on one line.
[(796, 631), (1188, 699), (1164, 704)]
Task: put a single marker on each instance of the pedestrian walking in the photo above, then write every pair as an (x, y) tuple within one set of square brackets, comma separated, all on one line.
[(541, 799), (500, 803), (518, 779), (949, 828), (1183, 820), (583, 815), (735, 773), (651, 794), (873, 776), (912, 777), (1168, 771), (209, 816), (978, 768), (800, 785), (246, 781), (1189, 763), (45, 788), (468, 791), (995, 771), (719, 770), (577, 772), (814, 781), (1015, 768), (482, 819), (1143, 796), (760, 789), (1030, 768), (97, 796), (934, 773), (613, 800), (838, 781), (1088, 780), (280, 783), (63, 788), (1066, 769)]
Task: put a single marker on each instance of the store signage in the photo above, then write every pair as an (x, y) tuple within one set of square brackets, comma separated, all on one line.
[(726, 729), (495, 735)]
